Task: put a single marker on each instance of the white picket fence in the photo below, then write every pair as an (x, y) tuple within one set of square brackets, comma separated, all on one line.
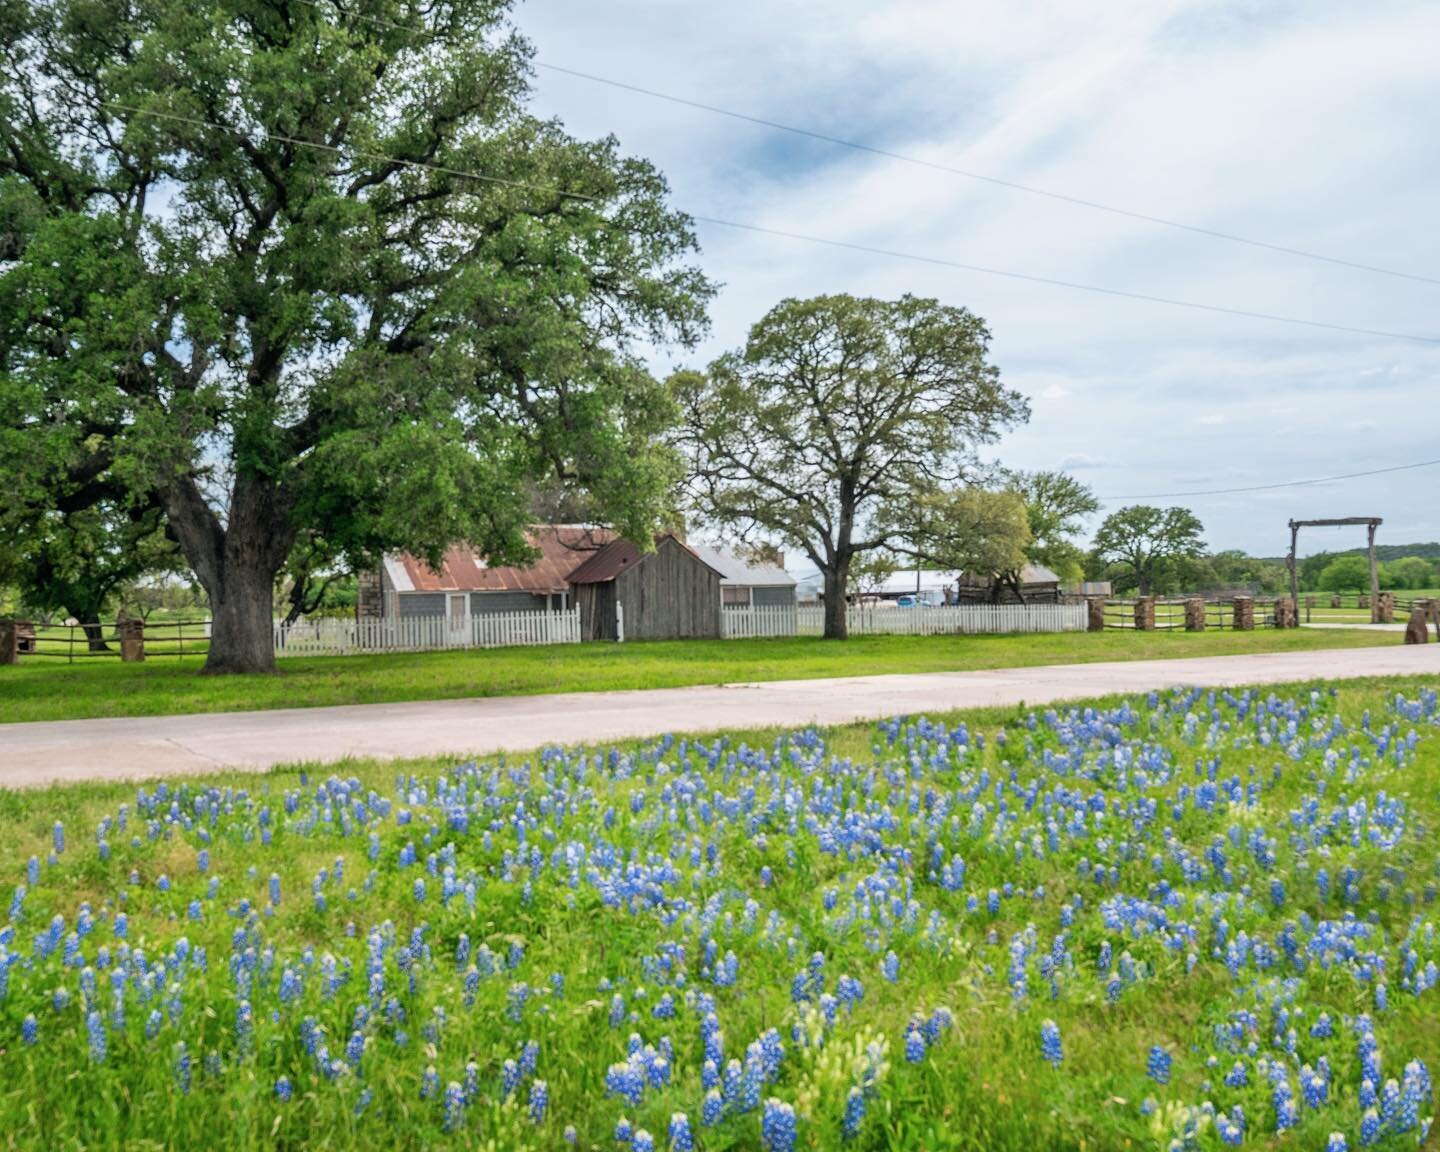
[(327, 637), (867, 620)]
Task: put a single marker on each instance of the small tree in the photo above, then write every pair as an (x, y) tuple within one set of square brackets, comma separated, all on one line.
[(1408, 572), (1142, 540), (1056, 505), (835, 408), (970, 530), (1346, 574)]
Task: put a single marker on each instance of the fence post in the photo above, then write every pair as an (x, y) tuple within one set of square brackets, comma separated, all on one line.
[(132, 641), (1309, 608), (9, 642), (1095, 617), (1195, 614), (1385, 608), (1285, 615), (619, 623), (1145, 613), (1244, 618)]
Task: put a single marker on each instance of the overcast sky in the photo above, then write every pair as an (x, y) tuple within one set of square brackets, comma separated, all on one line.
[(1309, 125)]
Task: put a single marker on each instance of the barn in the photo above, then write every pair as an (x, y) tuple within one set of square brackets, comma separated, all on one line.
[(668, 594)]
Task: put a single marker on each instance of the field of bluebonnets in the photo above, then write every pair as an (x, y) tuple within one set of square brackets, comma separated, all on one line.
[(1197, 920)]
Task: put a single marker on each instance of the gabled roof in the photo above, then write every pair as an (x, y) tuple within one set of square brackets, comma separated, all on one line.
[(562, 548), (734, 570), (619, 555)]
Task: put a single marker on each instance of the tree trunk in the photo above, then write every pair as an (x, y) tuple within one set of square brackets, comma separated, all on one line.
[(94, 633), (835, 584), (236, 563), (242, 636)]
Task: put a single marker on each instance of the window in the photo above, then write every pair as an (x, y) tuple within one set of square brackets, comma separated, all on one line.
[(733, 596)]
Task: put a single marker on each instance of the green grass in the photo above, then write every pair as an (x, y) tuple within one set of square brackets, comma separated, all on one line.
[(45, 689), (740, 804)]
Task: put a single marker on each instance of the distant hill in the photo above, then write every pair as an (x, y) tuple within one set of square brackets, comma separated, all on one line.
[(1383, 552)]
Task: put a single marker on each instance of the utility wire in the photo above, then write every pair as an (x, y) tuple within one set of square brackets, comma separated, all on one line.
[(1282, 484), (552, 190), (840, 141)]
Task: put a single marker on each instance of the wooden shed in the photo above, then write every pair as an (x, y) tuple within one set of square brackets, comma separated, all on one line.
[(668, 594)]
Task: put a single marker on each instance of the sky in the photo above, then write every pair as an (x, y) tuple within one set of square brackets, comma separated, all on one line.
[(1306, 125)]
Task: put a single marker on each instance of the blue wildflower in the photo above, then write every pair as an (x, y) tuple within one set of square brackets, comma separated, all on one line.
[(1157, 1065), (283, 1089), (1050, 1047), (681, 1137), (777, 1126)]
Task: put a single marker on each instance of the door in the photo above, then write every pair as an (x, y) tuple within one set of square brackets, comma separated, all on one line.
[(458, 615)]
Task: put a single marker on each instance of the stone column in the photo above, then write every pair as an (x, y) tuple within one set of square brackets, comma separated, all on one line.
[(1096, 618), (1145, 614), (1195, 614), (1285, 616), (132, 641), (9, 642), (1244, 609), (1364, 601), (1385, 608), (1417, 630), (1335, 601)]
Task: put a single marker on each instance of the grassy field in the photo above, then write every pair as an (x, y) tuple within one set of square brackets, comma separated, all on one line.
[(1177, 922), (44, 689)]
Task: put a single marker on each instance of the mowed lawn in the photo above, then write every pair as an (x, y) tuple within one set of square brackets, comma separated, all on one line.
[(1192, 920), (50, 689)]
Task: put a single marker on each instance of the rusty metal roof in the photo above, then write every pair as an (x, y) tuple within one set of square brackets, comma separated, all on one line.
[(618, 555), (562, 548)]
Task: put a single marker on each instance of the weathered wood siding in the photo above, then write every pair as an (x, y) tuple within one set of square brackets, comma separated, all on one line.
[(597, 611), (670, 595)]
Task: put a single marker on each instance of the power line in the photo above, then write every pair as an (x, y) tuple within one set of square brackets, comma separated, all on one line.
[(552, 190), (1014, 186), (1282, 484), (1029, 189)]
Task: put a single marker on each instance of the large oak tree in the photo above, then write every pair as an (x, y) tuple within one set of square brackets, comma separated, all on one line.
[(838, 415), (307, 271)]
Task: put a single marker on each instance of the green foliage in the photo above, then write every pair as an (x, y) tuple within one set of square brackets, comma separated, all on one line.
[(836, 408), (1236, 569), (1409, 572), (966, 529), (1345, 574), (1056, 505), (1146, 544), (353, 346)]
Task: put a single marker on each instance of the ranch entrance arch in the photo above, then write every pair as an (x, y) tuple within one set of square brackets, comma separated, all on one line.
[(1371, 523)]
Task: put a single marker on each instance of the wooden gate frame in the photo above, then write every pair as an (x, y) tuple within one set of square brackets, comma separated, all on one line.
[(1371, 523)]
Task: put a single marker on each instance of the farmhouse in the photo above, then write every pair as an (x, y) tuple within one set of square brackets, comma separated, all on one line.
[(464, 585), (746, 585), (1038, 585), (668, 594)]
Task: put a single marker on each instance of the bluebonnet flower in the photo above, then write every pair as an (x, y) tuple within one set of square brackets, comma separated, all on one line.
[(1157, 1065), (854, 1114), (643, 1141), (1337, 1143), (624, 1131), (1050, 1047), (682, 1139), (95, 1030), (712, 1108), (777, 1126), (454, 1106), (182, 1068), (429, 1083), (570, 1136), (914, 1046), (539, 1100), (57, 837), (890, 967), (29, 1029), (283, 1089)]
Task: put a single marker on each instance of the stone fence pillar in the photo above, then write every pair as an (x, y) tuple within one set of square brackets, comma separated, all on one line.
[(9, 642), (1244, 617), (1417, 629), (1364, 601), (1285, 614), (1145, 614), (1335, 601), (1385, 608), (1096, 618), (132, 641), (1195, 614)]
